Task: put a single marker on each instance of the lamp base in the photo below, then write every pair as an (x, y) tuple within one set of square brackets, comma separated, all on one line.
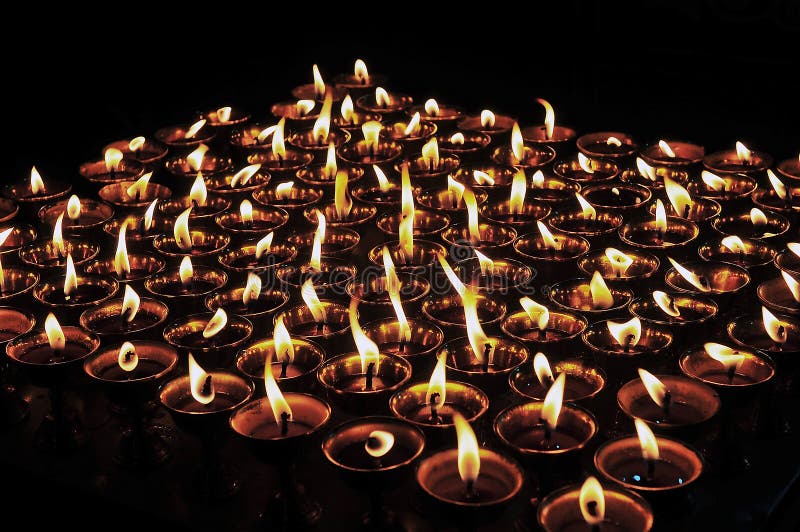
[(13, 407)]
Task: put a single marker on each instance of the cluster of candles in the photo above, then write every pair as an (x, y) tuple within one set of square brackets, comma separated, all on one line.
[(422, 271)]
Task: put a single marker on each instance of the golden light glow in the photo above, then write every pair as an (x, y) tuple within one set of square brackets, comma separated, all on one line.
[(224, 114), (199, 193), (730, 358), (367, 349), (382, 97), (122, 265), (792, 284), (246, 211), (139, 186), (393, 287), (519, 187), (310, 298), (379, 443), (487, 119), (243, 176), (5, 234), (282, 340), (456, 283), (319, 83), (412, 128), (73, 208), (552, 402), (432, 107), (113, 158), (37, 185), (201, 385), (127, 358), (266, 133), (186, 271), (361, 72), (547, 237), (517, 144), (661, 218), (549, 117), (627, 333), (455, 190), (734, 243), (322, 125), (194, 129), (666, 149), (599, 292), (252, 288), (457, 138), (592, 502), (130, 304), (2, 277), (149, 213), (263, 245), (330, 161), (472, 217), (585, 163), (537, 181), (183, 239), (406, 229), (371, 131), (383, 181), (482, 345), (319, 238), (744, 154), (278, 143), (587, 211), (281, 410), (794, 247), (655, 388), (757, 217), (347, 109), (613, 141), (284, 190), (777, 185), (666, 303), (541, 367), (430, 154), (438, 382), (55, 335), (539, 314), (469, 457), (217, 322), (482, 178), (195, 159), (713, 181), (645, 170), (690, 277), (620, 262), (341, 197), (136, 144), (776, 329), (304, 106), (70, 278), (647, 440), (485, 263), (678, 196), (58, 237)]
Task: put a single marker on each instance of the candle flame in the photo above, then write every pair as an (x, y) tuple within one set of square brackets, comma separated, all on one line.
[(537, 181), (666, 303), (127, 358), (266, 133), (587, 211), (383, 181), (457, 139), (777, 185), (547, 237), (347, 108), (432, 107), (541, 367), (195, 159), (430, 153), (58, 237), (742, 152), (136, 144), (661, 217), (730, 358), (322, 125), (186, 271), (330, 161), (277, 402), (458, 286), (517, 144), (734, 243), (379, 443), (794, 247), (243, 176), (666, 149), (148, 215), (627, 333), (549, 117), (139, 186), (539, 314), (585, 163), (487, 119), (199, 193), (645, 170), (70, 278), (361, 72), (713, 181), (482, 345), (246, 211), (438, 382), (469, 459), (552, 402), (341, 196), (37, 184), (252, 288), (393, 287), (482, 178), (382, 97), (310, 298), (130, 304), (284, 190), (319, 238), (319, 83), (278, 143), (217, 322), (602, 298), (224, 114), (613, 141), (647, 440), (455, 190), (592, 502), (406, 229), (367, 349), (74, 208), (304, 106), (792, 284), (183, 239), (194, 129), (413, 126), (371, 131), (485, 263), (472, 217), (200, 383), (656, 389), (620, 262), (55, 335), (775, 328), (263, 245), (678, 196), (757, 217), (5, 234), (113, 158), (691, 277), (519, 187), (282, 340)]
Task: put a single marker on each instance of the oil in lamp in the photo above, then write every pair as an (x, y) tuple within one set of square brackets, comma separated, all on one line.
[(324, 175), (425, 223), (83, 215), (790, 168), (351, 119), (660, 233), (318, 139), (259, 256), (615, 265), (755, 224), (128, 317), (336, 241), (387, 104), (495, 125), (593, 297), (410, 135), (449, 201), (298, 114), (13, 405), (204, 205), (443, 115), (582, 381), (35, 192), (720, 280), (52, 254), (371, 150), (551, 253), (15, 282), (587, 222), (251, 301), (113, 168), (552, 190), (147, 151), (185, 287), (673, 153), (628, 199), (683, 205), (727, 188), (184, 137), (8, 210), (214, 336), (683, 313), (429, 168), (252, 222), (239, 184), (360, 81), (325, 323), (781, 294), (468, 146), (607, 145), (739, 160), (201, 159), (199, 243), (515, 212), (537, 326), (653, 177), (223, 119), (252, 138), (586, 171), (558, 137), (289, 197), (318, 89), (788, 260), (745, 252), (495, 276), (725, 368), (130, 195), (381, 192), (281, 161), (523, 154), (772, 334), (126, 268), (494, 179), (476, 235), (778, 197), (343, 211)]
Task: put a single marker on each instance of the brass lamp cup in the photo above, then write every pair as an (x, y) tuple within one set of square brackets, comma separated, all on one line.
[(447, 311), (598, 145), (281, 167), (106, 321), (445, 117), (788, 262), (100, 289), (722, 279), (634, 177), (29, 202), (472, 149), (396, 105), (629, 199), (426, 338), (333, 336), (561, 509), (97, 173), (562, 328), (117, 195), (426, 223), (308, 357), (339, 376), (740, 224), (492, 236), (686, 154), (329, 280), (175, 137), (167, 285), (411, 143), (44, 256), (571, 170), (532, 247), (749, 332), (738, 187), (444, 204), (242, 260), (373, 295), (215, 352), (507, 277), (693, 403), (357, 85), (214, 206), (643, 233), (506, 357), (423, 258), (237, 117), (212, 164), (338, 242), (143, 265), (360, 153), (306, 140), (8, 210), (93, 215), (533, 156), (643, 267), (694, 311), (701, 210), (428, 176), (371, 192), (501, 175), (561, 139), (308, 91), (157, 361), (260, 311), (150, 153), (295, 200), (790, 168), (728, 162), (17, 284), (575, 223), (316, 175), (265, 219), (776, 296), (755, 256), (574, 295), (769, 199), (138, 239), (583, 382), (359, 213), (220, 184), (500, 213), (756, 371), (206, 244), (499, 131), (355, 121)]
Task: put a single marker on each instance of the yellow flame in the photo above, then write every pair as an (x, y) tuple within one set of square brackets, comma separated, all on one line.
[(656, 389), (734, 243), (347, 108), (319, 83), (379, 443), (549, 117), (413, 126), (148, 215), (647, 440), (599, 292), (282, 340), (517, 144), (246, 211), (130, 304), (438, 382), (186, 271), (74, 208), (455, 190), (266, 133), (217, 322), (367, 349), (37, 184), (393, 287), (243, 176), (304, 106), (627, 333), (330, 161), (136, 144), (645, 170), (537, 181), (383, 181), (666, 303), (486, 264), (487, 119), (613, 141), (775, 328), (194, 129), (792, 284), (472, 217), (458, 286), (319, 238), (794, 247), (201, 386), (757, 217), (263, 245), (278, 144), (277, 402), (127, 358), (310, 298), (195, 159), (406, 229), (661, 217), (592, 502), (727, 356), (284, 190), (58, 238), (691, 277), (539, 314), (199, 193), (482, 345), (371, 131), (430, 153), (70, 278), (224, 114), (743, 154), (585, 163), (482, 178), (5, 234), (552, 402), (139, 186), (587, 211), (713, 181), (382, 97), (122, 264), (183, 239), (666, 149), (113, 158), (432, 107), (457, 138), (55, 335), (252, 288), (322, 125), (341, 196), (620, 262), (777, 185), (541, 367), (547, 237), (678, 196), (469, 458), (519, 186), (361, 72)]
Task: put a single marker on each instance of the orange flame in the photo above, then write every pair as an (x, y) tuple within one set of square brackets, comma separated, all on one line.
[(284, 190), (330, 161), (412, 128), (263, 245), (371, 131), (549, 117), (383, 181), (246, 211), (734, 243), (757, 217), (183, 239), (282, 341), (627, 333), (678, 196), (482, 345), (691, 277), (280, 407), (552, 402), (304, 106), (469, 459), (656, 389), (319, 238), (319, 83), (541, 367), (266, 133), (130, 304), (472, 217), (519, 187), (794, 247), (243, 176), (217, 322), (647, 440), (55, 335), (486, 264), (620, 262), (113, 158), (517, 144), (310, 298), (406, 229), (382, 97), (322, 125), (379, 443), (592, 502), (661, 217), (457, 138), (713, 181), (347, 109), (775, 328), (186, 271), (792, 284), (367, 349), (252, 288), (201, 385), (458, 286), (438, 383), (645, 170), (666, 303), (341, 196), (278, 143), (777, 185), (139, 186), (538, 314), (730, 358), (122, 264), (613, 141), (198, 195), (393, 287), (547, 237), (482, 178), (195, 159), (70, 278), (666, 149), (487, 119), (599, 292), (432, 107), (58, 238), (194, 129), (455, 190), (37, 184), (587, 211), (361, 72), (127, 358), (430, 154), (136, 144), (149, 213), (585, 163), (74, 208), (537, 181), (224, 114), (742, 153)]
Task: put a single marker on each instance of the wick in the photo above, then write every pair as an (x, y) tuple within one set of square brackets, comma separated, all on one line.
[(402, 347), (592, 507), (731, 373), (542, 334), (704, 281), (434, 414), (659, 237), (453, 200), (284, 366), (628, 342), (195, 205), (667, 403), (487, 350), (371, 152), (552, 252), (280, 160), (320, 327), (686, 210), (206, 386), (138, 194), (651, 469), (548, 431), (369, 376), (140, 226), (430, 165), (284, 423), (471, 494), (781, 332)]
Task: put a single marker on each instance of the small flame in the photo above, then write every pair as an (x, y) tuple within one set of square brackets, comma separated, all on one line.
[(55, 335), (199, 193), (537, 181), (136, 144), (130, 304), (713, 181), (319, 83), (246, 211), (379, 443), (310, 298), (217, 322), (393, 287), (472, 217), (367, 349), (691, 277), (792, 284), (224, 114), (469, 458), (613, 141), (486, 264), (775, 328), (74, 208), (200, 383), (122, 265), (281, 410), (382, 97), (734, 243), (455, 190), (482, 178), (438, 383), (304, 106), (37, 185), (592, 502), (322, 125), (140, 186), (319, 238), (413, 126), (661, 217), (284, 190), (645, 170), (519, 186), (183, 239), (383, 181), (194, 129), (457, 138), (430, 153), (284, 348), (541, 367), (666, 303), (757, 217), (599, 292), (278, 144), (341, 196), (517, 144), (113, 158), (361, 72), (647, 440), (432, 107), (406, 229), (243, 176), (666, 149), (266, 133), (58, 238), (730, 358), (678, 196), (70, 278), (587, 211), (627, 333), (539, 314), (552, 402), (585, 163), (549, 117), (487, 119), (620, 262), (5, 234), (458, 286), (186, 271), (656, 389), (744, 154), (777, 185), (252, 289), (371, 131), (482, 345), (347, 108), (263, 245), (547, 237), (330, 161), (127, 358), (195, 159)]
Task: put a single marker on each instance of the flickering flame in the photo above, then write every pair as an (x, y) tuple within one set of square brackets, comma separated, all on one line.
[(183, 239), (393, 287), (713, 181), (37, 185), (282, 340), (794, 247), (70, 278), (382, 97), (734, 243), (661, 217), (371, 131), (304, 106), (322, 125), (613, 141), (319, 238), (367, 349), (541, 367), (413, 126), (730, 358), (406, 229), (430, 153), (627, 333), (186, 271), (224, 114), (200, 383), (645, 170), (194, 129), (539, 314), (775, 328), (599, 292), (472, 216), (587, 211), (199, 193), (330, 161), (55, 335), (552, 402), (341, 197), (246, 211), (666, 149), (647, 440), (379, 443), (690, 277), (585, 163), (592, 502), (113, 158), (487, 119), (139, 186), (458, 286), (127, 358), (136, 144), (457, 138), (263, 245), (281, 410), (319, 83), (122, 264), (482, 345), (278, 144), (744, 154), (482, 178), (347, 108), (252, 288), (438, 382), (284, 190), (537, 181), (469, 459), (517, 144), (310, 298), (130, 304), (455, 190), (361, 72), (549, 117), (547, 237), (432, 107), (777, 185), (58, 238), (74, 208), (655, 388), (149, 213), (620, 262), (383, 181), (519, 186), (792, 284), (757, 217), (5, 234), (266, 133), (486, 264), (217, 322), (243, 176), (666, 303), (678, 196), (195, 159)]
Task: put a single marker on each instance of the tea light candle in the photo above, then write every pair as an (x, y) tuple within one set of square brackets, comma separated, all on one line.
[(253, 137), (324, 175), (779, 294), (113, 168), (130, 316), (723, 188), (223, 118), (582, 381), (126, 267), (466, 145), (203, 205), (626, 198), (586, 222), (52, 254), (131, 365), (546, 249), (661, 233), (739, 160), (321, 137), (289, 196), (673, 153), (778, 197), (201, 160), (424, 338), (629, 338), (184, 242), (516, 211), (184, 137), (280, 160), (607, 145), (72, 292), (384, 102), (146, 150), (790, 168), (447, 311), (430, 167), (492, 275), (683, 205), (788, 260), (557, 136), (497, 126), (442, 114), (381, 191), (370, 150), (316, 320), (709, 278), (252, 222), (412, 134), (214, 336), (13, 237), (654, 177), (674, 309), (379, 293), (328, 274), (360, 81), (185, 286), (486, 178), (134, 194)]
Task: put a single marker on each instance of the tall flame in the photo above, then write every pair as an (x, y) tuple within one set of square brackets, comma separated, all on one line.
[(246, 211), (194, 129), (330, 161), (541, 367), (341, 196), (539, 314), (139, 186), (58, 236), (310, 298), (70, 278), (430, 154), (547, 237), (472, 217), (122, 265), (656, 389), (278, 143), (379, 443), (438, 383), (458, 286), (393, 287), (361, 72), (587, 211), (127, 358), (519, 187), (777, 185), (113, 158), (713, 181), (792, 284), (734, 243), (775, 328), (691, 277), (200, 382), (73, 208), (678, 196), (149, 213), (37, 184), (661, 217), (371, 131), (620, 262), (243, 176), (263, 245), (485, 263), (382, 97), (627, 333), (666, 149), (413, 126), (549, 117), (469, 459), (794, 247), (743, 153), (517, 144), (432, 107), (730, 358), (757, 217), (319, 238), (383, 181), (183, 239), (199, 193), (602, 298), (347, 109), (130, 304), (585, 163), (455, 190), (487, 119), (55, 335), (217, 322), (195, 159), (592, 502), (367, 349), (281, 410), (647, 440), (482, 345), (252, 288), (406, 229), (645, 170), (282, 340), (322, 125), (552, 402), (319, 83), (666, 303), (186, 271)]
